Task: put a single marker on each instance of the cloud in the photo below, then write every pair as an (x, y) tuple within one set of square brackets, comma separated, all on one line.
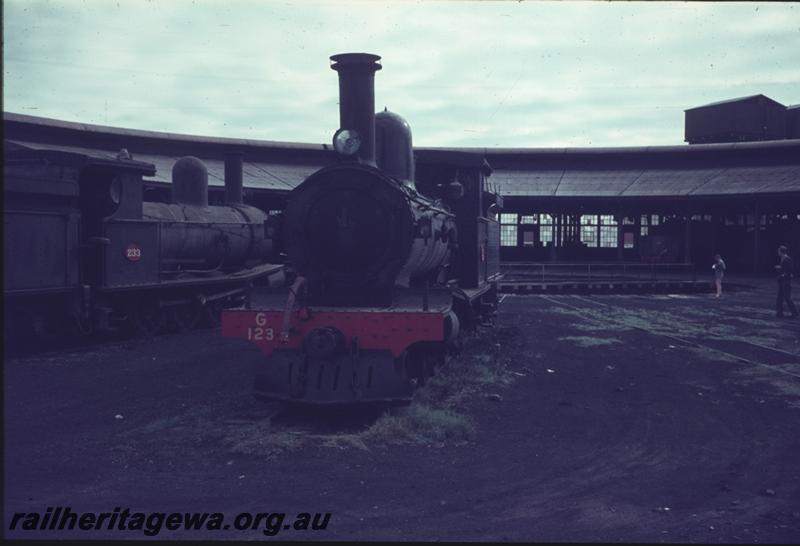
[(461, 73)]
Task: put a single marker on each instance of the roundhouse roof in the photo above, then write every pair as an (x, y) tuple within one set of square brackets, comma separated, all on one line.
[(749, 98), (742, 168)]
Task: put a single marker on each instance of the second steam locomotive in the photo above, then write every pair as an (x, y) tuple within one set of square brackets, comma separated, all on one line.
[(390, 263), (84, 251)]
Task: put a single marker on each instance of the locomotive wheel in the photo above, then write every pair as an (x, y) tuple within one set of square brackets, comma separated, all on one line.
[(33, 327), (81, 326), (430, 362), (183, 318), (421, 365), (40, 327), (148, 317), (213, 313)]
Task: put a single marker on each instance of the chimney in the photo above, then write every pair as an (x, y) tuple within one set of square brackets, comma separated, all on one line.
[(357, 98), (233, 178)]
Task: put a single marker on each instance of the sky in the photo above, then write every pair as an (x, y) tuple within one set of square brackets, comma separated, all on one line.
[(477, 73)]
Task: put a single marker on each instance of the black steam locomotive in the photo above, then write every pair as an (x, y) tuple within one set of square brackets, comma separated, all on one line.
[(389, 264), (81, 247)]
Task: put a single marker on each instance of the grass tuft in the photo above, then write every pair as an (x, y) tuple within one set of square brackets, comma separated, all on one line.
[(258, 439), (419, 423), (586, 341), (435, 414)]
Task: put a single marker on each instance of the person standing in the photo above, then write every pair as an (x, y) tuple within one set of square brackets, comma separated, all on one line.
[(719, 272), (784, 283)]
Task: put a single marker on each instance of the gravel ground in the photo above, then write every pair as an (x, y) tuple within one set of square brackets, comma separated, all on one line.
[(612, 430)]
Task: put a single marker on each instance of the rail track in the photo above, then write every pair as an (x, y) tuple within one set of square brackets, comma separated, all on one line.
[(66, 342), (795, 358), (615, 286)]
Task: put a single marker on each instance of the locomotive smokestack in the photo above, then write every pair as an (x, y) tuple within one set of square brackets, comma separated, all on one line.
[(233, 178), (357, 98)]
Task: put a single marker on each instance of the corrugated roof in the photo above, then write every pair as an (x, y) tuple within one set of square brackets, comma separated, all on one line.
[(605, 151), (41, 125), (73, 155), (702, 169), (91, 152), (652, 182), (729, 101), (255, 174)]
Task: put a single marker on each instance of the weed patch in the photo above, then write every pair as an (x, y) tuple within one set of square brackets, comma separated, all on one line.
[(586, 341), (258, 438), (419, 423), (435, 414)]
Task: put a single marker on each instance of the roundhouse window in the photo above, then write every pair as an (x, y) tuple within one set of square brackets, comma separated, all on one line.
[(609, 234), (589, 230), (545, 228), (508, 229)]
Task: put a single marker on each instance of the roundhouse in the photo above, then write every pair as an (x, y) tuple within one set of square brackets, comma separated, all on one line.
[(732, 191)]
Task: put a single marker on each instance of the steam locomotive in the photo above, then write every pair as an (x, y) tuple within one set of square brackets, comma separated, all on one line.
[(82, 248), (390, 263)]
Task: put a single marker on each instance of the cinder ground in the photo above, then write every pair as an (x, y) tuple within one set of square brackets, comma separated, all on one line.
[(623, 422)]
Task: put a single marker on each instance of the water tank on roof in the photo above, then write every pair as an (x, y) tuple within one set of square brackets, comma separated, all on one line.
[(737, 120), (793, 121)]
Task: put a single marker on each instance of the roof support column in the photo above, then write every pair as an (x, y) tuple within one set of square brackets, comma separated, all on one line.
[(794, 231), (687, 234), (556, 235), (756, 234), (714, 222), (637, 231), (620, 233)]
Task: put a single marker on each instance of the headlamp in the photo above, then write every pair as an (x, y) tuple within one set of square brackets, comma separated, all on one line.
[(346, 142)]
